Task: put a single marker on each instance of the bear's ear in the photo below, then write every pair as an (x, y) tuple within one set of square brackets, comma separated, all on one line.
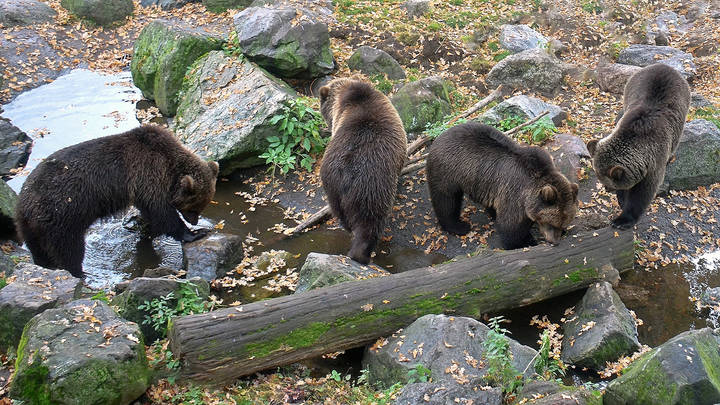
[(214, 168), (592, 145), (324, 92), (548, 193), (574, 188), (616, 172), (187, 184)]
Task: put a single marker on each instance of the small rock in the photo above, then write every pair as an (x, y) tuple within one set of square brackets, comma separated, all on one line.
[(15, 13), (601, 330), (570, 156), (682, 370), (167, 4), (213, 256), (321, 270), (423, 102), (8, 200), (101, 12), (551, 393), (373, 61), (416, 8), (34, 290), (533, 69), (646, 55), (218, 6), (613, 77), (80, 353), (525, 108), (158, 272), (15, 147), (291, 42), (162, 55), (439, 394), (698, 157), (518, 38), (658, 30)]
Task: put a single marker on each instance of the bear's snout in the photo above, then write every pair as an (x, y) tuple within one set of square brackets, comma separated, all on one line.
[(191, 217)]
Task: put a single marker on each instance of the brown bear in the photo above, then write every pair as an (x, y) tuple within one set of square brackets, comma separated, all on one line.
[(363, 160), (146, 167), (631, 161), (517, 185)]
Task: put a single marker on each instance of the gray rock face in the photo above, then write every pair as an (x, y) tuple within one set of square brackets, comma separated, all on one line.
[(416, 8), (35, 290), (551, 393), (438, 342), (423, 102), (213, 256), (218, 6), (645, 55), (25, 12), (321, 270), (518, 38), (8, 200), (524, 107), (439, 394), (570, 156), (167, 4), (682, 370), (288, 41), (533, 69), (602, 329), (80, 353), (373, 61), (613, 77), (101, 12), (15, 147), (698, 157), (224, 113)]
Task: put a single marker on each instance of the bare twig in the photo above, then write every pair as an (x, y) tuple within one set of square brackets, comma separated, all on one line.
[(316, 218), (480, 104), (411, 168), (526, 123), (416, 159)]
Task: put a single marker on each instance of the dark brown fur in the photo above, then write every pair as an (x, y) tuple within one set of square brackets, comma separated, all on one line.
[(363, 160), (632, 160), (518, 185), (146, 167)]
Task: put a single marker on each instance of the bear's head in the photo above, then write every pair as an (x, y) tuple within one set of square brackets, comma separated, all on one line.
[(552, 205), (342, 94), (328, 98), (611, 165), (196, 189)]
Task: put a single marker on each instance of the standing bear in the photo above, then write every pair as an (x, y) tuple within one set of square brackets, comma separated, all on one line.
[(517, 185), (632, 160), (363, 160), (146, 167)]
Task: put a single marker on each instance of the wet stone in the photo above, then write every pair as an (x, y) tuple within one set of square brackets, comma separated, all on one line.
[(322, 270), (213, 256), (218, 6), (100, 12), (8, 200), (551, 393), (167, 4), (15, 148), (371, 61), (570, 156), (25, 12)]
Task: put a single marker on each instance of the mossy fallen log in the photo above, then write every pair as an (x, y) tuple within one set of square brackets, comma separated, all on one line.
[(222, 345)]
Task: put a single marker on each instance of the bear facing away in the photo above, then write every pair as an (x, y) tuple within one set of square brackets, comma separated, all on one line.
[(632, 160), (363, 160), (146, 167), (517, 185)]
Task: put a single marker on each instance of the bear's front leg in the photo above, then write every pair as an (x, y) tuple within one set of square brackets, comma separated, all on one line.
[(637, 199), (165, 220), (514, 235)]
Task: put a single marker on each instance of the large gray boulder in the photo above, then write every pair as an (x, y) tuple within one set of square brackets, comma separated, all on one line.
[(534, 69), (450, 347), (291, 42), (15, 147), (80, 353), (101, 12), (167, 4), (612, 77), (601, 331), (439, 394), (518, 38), (213, 256), (162, 55), (416, 8), (698, 157), (25, 12), (646, 55), (423, 102), (322, 270), (34, 290), (8, 200), (225, 110), (682, 371), (373, 61), (525, 108)]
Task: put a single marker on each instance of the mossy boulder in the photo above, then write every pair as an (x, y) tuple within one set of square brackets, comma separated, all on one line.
[(423, 102), (685, 370), (162, 54), (218, 6), (101, 12), (34, 290), (373, 61), (80, 353), (534, 70), (291, 42), (321, 270), (521, 108), (225, 110), (698, 157), (8, 200), (213, 256)]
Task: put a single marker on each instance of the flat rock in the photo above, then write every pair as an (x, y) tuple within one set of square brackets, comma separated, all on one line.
[(698, 157), (80, 353), (601, 330), (423, 102), (15, 147), (534, 69), (101, 12), (684, 370), (439, 394), (34, 290), (612, 77), (525, 108), (416, 8), (224, 112), (322, 270), (213, 256), (15, 13), (518, 38), (646, 55), (373, 61)]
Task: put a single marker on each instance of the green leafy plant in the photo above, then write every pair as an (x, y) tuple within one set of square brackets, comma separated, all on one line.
[(419, 374), (540, 130), (509, 122), (162, 309), (434, 26), (231, 47), (336, 376), (433, 130), (498, 56), (592, 6), (299, 127), (501, 371), (382, 83), (100, 296), (3, 282), (710, 113), (546, 365)]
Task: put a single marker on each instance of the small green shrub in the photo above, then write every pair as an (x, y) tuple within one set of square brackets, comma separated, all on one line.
[(540, 130), (100, 296), (419, 374), (382, 83), (501, 371), (592, 6), (480, 65), (546, 365), (498, 56), (433, 130), (161, 310), (434, 26), (231, 47)]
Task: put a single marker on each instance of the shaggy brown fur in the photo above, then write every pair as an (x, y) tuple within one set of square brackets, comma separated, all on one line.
[(146, 167), (632, 160), (363, 160), (518, 185)]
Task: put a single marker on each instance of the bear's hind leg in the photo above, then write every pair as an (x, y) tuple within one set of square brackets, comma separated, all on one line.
[(364, 240), (447, 208)]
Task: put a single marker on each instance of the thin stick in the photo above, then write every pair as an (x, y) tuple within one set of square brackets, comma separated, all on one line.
[(411, 168), (415, 159), (321, 216), (526, 123), (480, 104)]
